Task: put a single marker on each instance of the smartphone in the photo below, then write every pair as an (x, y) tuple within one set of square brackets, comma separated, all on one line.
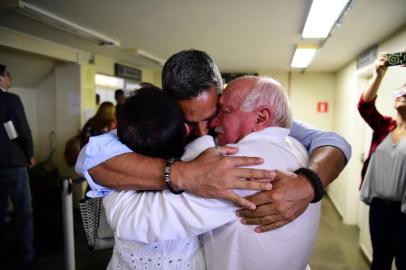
[(395, 59)]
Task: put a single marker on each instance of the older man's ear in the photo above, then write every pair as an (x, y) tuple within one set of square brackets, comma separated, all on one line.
[(263, 119)]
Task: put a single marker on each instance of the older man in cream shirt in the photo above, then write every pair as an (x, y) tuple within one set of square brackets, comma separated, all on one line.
[(254, 116)]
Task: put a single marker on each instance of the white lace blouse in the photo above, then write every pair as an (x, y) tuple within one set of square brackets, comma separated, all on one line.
[(185, 254)]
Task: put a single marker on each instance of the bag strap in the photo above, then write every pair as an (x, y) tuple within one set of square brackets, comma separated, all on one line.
[(100, 208)]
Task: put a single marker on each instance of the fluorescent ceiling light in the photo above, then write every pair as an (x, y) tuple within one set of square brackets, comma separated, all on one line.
[(303, 57), (322, 16), (63, 24), (146, 55), (150, 57)]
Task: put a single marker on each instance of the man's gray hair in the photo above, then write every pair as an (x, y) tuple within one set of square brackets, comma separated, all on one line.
[(270, 93)]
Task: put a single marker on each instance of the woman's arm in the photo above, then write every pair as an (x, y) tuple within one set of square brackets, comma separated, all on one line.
[(158, 216), (366, 105), (381, 65)]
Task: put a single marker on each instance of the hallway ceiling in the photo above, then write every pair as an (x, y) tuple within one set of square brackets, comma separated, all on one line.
[(240, 35)]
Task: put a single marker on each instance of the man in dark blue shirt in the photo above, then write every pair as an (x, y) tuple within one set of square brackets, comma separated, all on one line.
[(16, 153)]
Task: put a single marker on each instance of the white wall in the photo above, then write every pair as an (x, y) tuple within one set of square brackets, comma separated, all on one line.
[(27, 69), (346, 98), (46, 115), (67, 98), (152, 76), (306, 90)]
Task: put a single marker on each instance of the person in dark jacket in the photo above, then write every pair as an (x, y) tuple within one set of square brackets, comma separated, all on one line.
[(16, 153), (119, 96)]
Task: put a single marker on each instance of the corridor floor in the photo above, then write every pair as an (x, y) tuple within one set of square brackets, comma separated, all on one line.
[(336, 248), (337, 244)]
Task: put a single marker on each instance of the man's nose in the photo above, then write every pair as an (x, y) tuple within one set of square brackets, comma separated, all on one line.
[(201, 129)]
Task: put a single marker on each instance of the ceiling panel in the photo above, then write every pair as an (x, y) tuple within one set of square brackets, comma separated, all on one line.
[(240, 35)]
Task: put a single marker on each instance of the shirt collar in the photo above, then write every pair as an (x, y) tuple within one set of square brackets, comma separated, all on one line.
[(267, 133), (198, 143)]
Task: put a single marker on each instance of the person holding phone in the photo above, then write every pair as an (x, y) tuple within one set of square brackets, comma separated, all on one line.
[(384, 174)]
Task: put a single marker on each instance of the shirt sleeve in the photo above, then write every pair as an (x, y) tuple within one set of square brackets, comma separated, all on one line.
[(21, 124), (159, 216), (98, 150), (312, 138), (371, 115)]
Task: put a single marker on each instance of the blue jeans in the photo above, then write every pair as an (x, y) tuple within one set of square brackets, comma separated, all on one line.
[(388, 234), (14, 182)]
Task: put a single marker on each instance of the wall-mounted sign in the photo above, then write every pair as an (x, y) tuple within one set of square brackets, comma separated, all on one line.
[(127, 72), (322, 107), (367, 57)]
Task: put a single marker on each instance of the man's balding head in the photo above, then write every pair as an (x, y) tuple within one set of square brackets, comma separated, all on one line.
[(251, 104), (268, 92)]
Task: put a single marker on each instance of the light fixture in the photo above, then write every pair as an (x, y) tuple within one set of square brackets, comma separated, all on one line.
[(146, 55), (303, 57), (150, 57), (53, 20), (322, 17)]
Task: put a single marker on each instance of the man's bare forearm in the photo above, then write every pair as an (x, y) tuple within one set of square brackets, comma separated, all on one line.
[(209, 175), (130, 171), (327, 162), (292, 193)]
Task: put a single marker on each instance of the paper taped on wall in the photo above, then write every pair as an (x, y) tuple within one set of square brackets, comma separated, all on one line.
[(10, 130)]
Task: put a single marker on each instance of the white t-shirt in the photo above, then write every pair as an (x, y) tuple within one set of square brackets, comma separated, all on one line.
[(146, 218)]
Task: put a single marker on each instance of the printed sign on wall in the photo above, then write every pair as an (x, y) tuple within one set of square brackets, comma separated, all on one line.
[(322, 107)]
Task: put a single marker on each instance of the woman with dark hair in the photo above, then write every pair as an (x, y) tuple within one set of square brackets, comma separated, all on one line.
[(152, 124)]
